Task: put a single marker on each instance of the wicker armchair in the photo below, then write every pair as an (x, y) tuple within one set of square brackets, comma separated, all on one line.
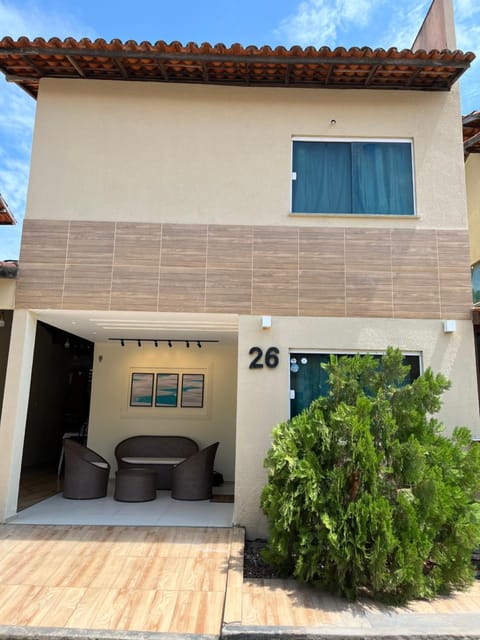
[(86, 473), (192, 479)]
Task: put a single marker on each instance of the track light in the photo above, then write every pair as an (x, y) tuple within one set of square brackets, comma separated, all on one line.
[(156, 341)]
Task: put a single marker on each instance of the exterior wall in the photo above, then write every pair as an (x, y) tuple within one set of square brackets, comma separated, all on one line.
[(280, 270), (472, 171), (263, 394), (4, 347), (120, 151), (7, 293), (112, 419), (14, 410), (438, 28)]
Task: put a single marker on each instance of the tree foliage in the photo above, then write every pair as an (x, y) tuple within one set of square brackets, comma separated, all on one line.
[(365, 495)]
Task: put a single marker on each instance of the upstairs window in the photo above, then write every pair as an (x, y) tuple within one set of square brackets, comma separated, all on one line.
[(360, 177)]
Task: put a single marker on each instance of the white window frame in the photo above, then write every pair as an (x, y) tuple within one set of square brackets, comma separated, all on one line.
[(338, 139)]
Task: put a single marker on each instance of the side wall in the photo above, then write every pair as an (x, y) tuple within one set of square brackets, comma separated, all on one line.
[(263, 394), (112, 419)]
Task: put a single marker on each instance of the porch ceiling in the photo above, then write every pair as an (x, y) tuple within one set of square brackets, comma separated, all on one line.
[(99, 326)]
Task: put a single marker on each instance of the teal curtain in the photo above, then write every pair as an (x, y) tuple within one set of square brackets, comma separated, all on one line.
[(323, 183), (382, 178)]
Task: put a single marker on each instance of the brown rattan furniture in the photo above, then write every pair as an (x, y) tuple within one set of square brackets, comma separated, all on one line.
[(135, 485), (193, 478), (86, 472), (160, 453)]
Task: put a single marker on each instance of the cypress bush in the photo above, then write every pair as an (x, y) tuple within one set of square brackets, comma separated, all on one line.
[(365, 496)]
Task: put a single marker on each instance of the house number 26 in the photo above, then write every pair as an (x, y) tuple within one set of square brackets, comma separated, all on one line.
[(270, 358)]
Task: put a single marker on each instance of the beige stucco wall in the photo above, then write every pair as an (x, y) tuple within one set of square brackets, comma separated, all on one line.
[(179, 153), (112, 420), (7, 293), (263, 394), (438, 28), (472, 173), (14, 410)]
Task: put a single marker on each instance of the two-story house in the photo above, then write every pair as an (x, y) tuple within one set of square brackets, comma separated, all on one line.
[(215, 221)]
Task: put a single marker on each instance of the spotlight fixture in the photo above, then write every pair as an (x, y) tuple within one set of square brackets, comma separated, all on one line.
[(156, 341)]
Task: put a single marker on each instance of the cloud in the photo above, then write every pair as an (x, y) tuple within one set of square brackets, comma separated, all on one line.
[(31, 20), (318, 22)]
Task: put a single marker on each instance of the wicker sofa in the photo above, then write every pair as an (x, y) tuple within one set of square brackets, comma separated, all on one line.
[(161, 453)]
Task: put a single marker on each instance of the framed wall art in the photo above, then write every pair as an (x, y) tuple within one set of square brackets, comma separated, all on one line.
[(192, 390), (166, 390), (141, 390)]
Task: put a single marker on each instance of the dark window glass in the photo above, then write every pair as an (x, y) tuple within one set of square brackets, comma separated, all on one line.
[(309, 380)]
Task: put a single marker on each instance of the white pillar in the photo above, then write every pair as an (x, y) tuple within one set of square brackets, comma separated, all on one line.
[(15, 406)]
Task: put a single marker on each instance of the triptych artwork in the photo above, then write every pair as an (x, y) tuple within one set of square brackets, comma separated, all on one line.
[(165, 390)]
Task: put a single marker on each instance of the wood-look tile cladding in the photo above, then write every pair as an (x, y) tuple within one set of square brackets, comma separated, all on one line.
[(290, 271)]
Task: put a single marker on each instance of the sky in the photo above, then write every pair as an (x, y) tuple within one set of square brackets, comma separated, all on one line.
[(347, 23)]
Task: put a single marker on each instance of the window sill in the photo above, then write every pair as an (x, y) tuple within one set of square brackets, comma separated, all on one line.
[(374, 216)]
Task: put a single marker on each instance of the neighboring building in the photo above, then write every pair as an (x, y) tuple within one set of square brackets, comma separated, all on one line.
[(283, 204), (471, 145), (8, 273), (6, 216)]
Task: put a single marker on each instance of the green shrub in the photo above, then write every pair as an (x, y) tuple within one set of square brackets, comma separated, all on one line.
[(364, 494)]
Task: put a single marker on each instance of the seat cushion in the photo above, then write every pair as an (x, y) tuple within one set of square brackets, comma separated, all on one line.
[(142, 460)]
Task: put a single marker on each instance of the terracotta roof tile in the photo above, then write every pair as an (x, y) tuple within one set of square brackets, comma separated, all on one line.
[(26, 61), (471, 132), (6, 216)]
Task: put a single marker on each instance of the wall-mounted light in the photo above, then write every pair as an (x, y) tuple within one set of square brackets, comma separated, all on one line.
[(266, 322), (67, 343), (2, 319), (449, 326)]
